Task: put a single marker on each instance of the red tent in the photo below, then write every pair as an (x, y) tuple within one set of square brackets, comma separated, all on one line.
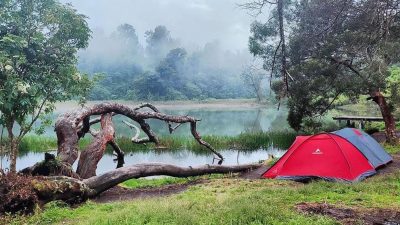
[(326, 156)]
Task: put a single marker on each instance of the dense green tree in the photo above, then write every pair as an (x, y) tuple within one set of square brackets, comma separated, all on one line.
[(335, 48), (38, 45), (350, 46), (393, 89)]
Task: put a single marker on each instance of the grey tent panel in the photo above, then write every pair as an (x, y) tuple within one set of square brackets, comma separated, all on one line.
[(371, 149)]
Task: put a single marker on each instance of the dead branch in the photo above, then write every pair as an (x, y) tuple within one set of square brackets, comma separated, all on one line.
[(137, 130), (70, 127), (89, 158), (120, 154)]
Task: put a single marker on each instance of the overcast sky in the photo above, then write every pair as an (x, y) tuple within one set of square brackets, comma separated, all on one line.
[(193, 22)]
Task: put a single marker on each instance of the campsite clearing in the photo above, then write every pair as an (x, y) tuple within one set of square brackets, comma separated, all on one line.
[(231, 200)]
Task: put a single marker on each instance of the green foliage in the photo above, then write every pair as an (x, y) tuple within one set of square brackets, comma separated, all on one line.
[(391, 149), (38, 45), (333, 51), (393, 88)]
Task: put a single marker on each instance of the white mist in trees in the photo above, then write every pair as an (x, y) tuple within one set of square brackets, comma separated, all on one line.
[(38, 45), (161, 70), (159, 43), (253, 76), (106, 53)]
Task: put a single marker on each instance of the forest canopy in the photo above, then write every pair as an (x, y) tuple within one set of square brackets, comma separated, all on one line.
[(162, 69)]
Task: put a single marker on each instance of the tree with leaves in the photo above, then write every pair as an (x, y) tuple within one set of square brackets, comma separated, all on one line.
[(336, 48), (38, 45), (349, 45)]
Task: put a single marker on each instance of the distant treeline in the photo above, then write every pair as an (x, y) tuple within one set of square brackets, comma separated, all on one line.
[(162, 69)]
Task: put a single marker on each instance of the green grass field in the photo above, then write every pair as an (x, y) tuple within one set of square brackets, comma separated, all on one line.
[(228, 200)]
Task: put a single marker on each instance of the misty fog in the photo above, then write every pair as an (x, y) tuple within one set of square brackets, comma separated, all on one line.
[(166, 50)]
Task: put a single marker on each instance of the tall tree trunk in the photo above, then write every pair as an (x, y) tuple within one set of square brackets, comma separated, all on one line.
[(283, 45), (13, 147), (390, 124)]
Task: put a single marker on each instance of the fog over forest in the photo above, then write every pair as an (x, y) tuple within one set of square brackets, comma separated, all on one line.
[(166, 50)]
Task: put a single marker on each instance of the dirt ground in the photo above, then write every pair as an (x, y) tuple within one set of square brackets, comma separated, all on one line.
[(347, 215), (381, 136), (391, 167), (358, 215)]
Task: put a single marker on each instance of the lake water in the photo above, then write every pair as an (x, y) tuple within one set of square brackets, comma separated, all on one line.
[(179, 158), (215, 120)]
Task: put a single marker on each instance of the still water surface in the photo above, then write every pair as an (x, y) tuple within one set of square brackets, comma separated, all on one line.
[(224, 121), (179, 158)]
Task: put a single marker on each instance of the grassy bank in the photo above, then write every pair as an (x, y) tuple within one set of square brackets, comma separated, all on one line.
[(244, 141), (231, 201), (225, 199)]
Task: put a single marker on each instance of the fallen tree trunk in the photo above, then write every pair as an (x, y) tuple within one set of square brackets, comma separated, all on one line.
[(72, 190), (107, 180)]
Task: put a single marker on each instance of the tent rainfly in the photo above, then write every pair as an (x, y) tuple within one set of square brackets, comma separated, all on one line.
[(348, 155)]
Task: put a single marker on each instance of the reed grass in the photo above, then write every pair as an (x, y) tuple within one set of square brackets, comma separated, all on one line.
[(245, 142)]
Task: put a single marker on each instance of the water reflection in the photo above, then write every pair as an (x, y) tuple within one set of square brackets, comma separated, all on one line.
[(223, 122), (229, 122), (180, 158)]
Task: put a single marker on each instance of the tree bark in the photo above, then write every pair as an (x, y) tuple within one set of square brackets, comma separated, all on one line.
[(21, 193), (390, 124), (284, 72), (75, 190), (13, 147), (67, 138), (94, 152), (107, 180)]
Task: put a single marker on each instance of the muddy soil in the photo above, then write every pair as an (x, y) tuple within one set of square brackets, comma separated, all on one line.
[(347, 215), (119, 193), (255, 174), (381, 137), (391, 167)]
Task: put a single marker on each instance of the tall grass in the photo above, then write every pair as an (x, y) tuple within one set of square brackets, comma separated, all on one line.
[(245, 142)]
